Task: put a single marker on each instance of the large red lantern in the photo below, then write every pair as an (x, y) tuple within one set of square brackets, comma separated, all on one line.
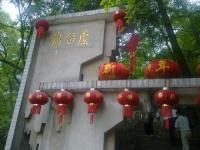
[(113, 71), (42, 27), (119, 18), (37, 98), (94, 99), (166, 99), (198, 99), (128, 99), (162, 68), (62, 99), (198, 70)]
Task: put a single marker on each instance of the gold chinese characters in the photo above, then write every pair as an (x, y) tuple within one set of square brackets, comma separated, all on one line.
[(71, 38)]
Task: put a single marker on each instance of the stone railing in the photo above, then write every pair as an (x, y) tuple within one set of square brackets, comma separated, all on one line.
[(120, 84)]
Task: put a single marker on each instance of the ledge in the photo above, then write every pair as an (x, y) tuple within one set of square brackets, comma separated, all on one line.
[(120, 84), (78, 16)]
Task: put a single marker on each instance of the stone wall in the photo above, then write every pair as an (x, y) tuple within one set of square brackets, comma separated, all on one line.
[(75, 45)]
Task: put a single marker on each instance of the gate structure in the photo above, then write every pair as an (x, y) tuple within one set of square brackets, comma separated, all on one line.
[(68, 58)]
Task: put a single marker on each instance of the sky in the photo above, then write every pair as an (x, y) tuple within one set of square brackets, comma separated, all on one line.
[(12, 10)]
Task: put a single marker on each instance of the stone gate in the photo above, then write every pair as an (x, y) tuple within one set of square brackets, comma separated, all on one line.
[(68, 57)]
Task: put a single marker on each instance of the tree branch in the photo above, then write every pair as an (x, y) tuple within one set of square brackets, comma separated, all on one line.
[(172, 38), (4, 61), (15, 77), (9, 26)]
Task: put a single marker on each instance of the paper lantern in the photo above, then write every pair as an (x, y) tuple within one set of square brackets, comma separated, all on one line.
[(37, 99), (119, 14), (113, 71), (62, 99), (94, 99), (128, 99), (166, 99), (166, 96), (42, 27), (119, 18), (162, 68)]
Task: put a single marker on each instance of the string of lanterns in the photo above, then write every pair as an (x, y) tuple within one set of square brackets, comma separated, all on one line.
[(93, 98), (165, 98), (160, 68)]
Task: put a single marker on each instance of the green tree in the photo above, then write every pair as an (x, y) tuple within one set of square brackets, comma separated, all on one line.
[(159, 25), (8, 85), (15, 38)]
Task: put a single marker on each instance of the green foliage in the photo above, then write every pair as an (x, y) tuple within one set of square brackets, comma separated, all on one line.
[(14, 43), (154, 40), (144, 14), (8, 85), (82, 5)]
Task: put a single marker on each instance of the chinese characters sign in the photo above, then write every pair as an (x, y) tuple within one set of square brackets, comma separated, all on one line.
[(79, 38)]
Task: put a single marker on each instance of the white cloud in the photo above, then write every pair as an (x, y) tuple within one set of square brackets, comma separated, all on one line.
[(192, 1), (10, 9)]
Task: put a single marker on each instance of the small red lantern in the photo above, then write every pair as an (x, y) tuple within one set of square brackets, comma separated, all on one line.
[(162, 68), (42, 27), (166, 99), (62, 99), (198, 99), (128, 99), (94, 99), (37, 99), (198, 70), (113, 71), (119, 18)]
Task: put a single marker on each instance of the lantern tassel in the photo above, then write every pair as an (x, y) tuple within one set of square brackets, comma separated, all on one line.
[(91, 118), (132, 63), (61, 110), (92, 108), (167, 123), (166, 112), (128, 111), (120, 25), (35, 109), (60, 118), (40, 32)]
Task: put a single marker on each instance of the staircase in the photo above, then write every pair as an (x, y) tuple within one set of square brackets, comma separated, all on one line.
[(134, 138), (156, 142)]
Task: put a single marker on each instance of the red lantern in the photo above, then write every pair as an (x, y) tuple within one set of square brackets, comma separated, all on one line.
[(94, 99), (42, 27), (162, 68), (113, 71), (128, 99), (62, 99), (198, 99), (37, 99), (120, 24), (166, 98), (119, 17), (198, 70), (119, 14), (131, 46)]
